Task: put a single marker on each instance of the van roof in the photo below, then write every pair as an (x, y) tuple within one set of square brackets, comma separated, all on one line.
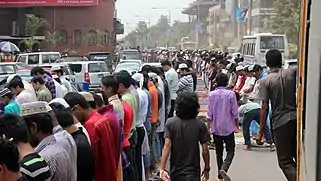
[(85, 62), (262, 34)]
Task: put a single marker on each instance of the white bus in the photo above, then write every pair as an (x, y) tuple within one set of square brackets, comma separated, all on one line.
[(254, 47)]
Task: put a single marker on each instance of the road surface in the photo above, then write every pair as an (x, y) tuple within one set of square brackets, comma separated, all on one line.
[(257, 165)]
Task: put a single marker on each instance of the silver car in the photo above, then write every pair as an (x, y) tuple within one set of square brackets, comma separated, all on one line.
[(90, 72)]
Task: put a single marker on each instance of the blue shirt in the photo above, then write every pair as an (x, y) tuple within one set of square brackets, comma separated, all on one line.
[(12, 108)]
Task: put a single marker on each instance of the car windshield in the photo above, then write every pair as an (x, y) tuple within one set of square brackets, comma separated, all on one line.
[(129, 67), (272, 42), (22, 66), (7, 69), (72, 59), (97, 67), (130, 55)]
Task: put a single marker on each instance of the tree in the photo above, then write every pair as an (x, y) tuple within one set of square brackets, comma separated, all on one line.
[(286, 19), (34, 23), (53, 38), (141, 31)]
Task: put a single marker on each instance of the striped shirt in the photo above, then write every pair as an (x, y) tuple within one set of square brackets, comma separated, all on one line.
[(222, 111), (34, 167), (186, 83), (57, 158)]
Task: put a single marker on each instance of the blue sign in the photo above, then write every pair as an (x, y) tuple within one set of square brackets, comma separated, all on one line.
[(240, 14)]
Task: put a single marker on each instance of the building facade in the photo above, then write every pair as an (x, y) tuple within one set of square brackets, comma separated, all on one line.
[(79, 28)]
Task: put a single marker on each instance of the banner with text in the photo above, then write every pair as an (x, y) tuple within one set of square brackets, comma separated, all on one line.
[(43, 3)]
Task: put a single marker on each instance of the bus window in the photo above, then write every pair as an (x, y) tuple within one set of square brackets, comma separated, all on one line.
[(272, 42)]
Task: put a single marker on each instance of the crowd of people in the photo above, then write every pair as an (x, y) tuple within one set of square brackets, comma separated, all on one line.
[(129, 129)]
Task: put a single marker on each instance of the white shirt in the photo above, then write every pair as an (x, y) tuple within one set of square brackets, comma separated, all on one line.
[(143, 107), (161, 112), (59, 91), (25, 97), (28, 87), (172, 79), (66, 83)]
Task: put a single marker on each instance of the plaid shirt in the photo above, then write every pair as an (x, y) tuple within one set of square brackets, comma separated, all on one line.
[(49, 83), (57, 158)]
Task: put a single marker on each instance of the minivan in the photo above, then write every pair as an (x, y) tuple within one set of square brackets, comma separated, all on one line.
[(36, 58)]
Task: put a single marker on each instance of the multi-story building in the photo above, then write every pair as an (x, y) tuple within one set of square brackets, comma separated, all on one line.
[(72, 21)]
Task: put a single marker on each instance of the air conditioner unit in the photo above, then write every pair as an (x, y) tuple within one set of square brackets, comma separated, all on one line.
[(14, 29)]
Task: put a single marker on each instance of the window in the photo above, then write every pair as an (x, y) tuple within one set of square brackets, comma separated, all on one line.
[(272, 42), (76, 67), (54, 57), (97, 67), (91, 37), (22, 58), (45, 58), (33, 59), (77, 37), (63, 38), (105, 38)]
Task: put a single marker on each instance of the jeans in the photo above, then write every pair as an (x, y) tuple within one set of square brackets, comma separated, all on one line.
[(254, 115), (230, 149), (153, 145), (160, 144), (285, 142), (138, 151), (130, 152)]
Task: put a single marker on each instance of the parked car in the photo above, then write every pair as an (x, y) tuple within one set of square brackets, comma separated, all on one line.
[(8, 68), (38, 58), (72, 59), (290, 63), (130, 54), (90, 72), (102, 56), (131, 68), (131, 61)]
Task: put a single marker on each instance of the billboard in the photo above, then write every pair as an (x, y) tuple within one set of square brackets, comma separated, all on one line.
[(39, 3)]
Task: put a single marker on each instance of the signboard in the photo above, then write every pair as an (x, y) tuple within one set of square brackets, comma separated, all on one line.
[(42, 3)]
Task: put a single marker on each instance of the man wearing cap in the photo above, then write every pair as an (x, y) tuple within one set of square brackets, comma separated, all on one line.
[(57, 70), (241, 78), (11, 106), (40, 126), (186, 81)]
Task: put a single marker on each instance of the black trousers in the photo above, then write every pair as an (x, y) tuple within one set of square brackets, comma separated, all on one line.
[(285, 142), (131, 155), (229, 142), (138, 151), (171, 111)]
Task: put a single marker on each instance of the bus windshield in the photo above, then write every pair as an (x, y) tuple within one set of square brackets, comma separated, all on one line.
[(272, 42)]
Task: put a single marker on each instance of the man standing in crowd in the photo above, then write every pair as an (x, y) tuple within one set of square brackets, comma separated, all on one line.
[(9, 166), (186, 80), (32, 165), (279, 87), (85, 155), (11, 106), (222, 117), (100, 134), (40, 126), (185, 131), (57, 70), (48, 80), (21, 94), (172, 79), (43, 93), (26, 85)]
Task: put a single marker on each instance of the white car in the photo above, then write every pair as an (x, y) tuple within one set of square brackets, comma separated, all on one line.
[(290, 63), (130, 67)]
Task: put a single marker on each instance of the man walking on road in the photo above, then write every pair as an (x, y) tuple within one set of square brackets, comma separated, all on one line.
[(222, 117), (183, 133), (280, 88)]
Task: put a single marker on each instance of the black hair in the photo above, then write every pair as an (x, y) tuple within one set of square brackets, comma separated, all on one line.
[(185, 69), (16, 83), (146, 80), (187, 105), (257, 68), (222, 79), (16, 77), (59, 71), (37, 70), (9, 95), (189, 63), (38, 79), (98, 100), (147, 68), (166, 62), (74, 98), (63, 115), (14, 126), (155, 70), (124, 78), (273, 58), (43, 121), (92, 104), (9, 155)]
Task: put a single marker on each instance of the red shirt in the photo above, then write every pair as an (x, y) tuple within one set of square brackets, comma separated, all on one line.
[(128, 121), (115, 124), (101, 137), (242, 82)]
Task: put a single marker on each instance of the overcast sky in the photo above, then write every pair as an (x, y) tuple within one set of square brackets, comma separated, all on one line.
[(132, 11)]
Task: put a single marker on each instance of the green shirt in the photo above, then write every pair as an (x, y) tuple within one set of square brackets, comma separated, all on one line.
[(12, 108), (44, 94), (131, 100)]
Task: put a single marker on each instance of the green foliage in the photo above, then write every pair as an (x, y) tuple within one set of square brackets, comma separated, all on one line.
[(53, 38), (34, 23), (159, 35), (287, 19), (293, 50)]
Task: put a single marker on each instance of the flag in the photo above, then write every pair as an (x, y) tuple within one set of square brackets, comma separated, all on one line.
[(240, 14)]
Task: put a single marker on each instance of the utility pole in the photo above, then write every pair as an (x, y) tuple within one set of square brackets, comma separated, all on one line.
[(250, 16), (197, 24)]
